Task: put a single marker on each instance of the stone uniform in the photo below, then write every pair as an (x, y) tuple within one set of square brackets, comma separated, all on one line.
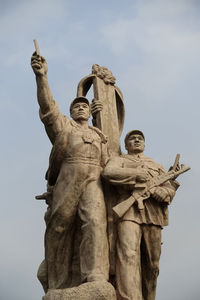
[(76, 162), (139, 231)]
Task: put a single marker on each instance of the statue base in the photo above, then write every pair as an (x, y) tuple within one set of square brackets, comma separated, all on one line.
[(95, 290)]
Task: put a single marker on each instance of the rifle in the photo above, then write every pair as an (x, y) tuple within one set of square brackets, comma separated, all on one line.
[(139, 196), (176, 163)]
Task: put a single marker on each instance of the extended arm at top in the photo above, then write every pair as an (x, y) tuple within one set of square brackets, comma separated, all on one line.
[(44, 95)]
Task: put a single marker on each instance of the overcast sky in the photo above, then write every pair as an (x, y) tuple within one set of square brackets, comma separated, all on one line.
[(153, 49)]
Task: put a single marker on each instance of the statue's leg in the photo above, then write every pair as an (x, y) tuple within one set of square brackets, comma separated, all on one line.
[(42, 273), (60, 232), (128, 267), (76, 273), (150, 251), (94, 263), (59, 250)]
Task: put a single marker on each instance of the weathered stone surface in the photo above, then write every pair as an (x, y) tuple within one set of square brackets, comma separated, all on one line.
[(144, 191), (96, 290), (74, 192), (84, 240)]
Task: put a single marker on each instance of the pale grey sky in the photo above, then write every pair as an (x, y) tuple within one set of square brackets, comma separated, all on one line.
[(153, 49)]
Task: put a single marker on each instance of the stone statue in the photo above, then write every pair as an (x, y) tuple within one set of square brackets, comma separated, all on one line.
[(139, 226), (105, 209), (78, 155)]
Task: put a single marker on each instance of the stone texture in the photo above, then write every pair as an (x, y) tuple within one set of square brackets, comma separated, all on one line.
[(80, 220), (74, 192), (87, 291), (145, 190)]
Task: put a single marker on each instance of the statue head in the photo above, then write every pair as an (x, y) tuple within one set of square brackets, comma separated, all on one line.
[(135, 142), (80, 109)]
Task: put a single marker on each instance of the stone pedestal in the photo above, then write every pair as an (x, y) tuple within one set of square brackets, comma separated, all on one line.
[(96, 290)]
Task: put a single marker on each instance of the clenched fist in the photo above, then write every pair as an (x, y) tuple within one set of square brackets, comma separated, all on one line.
[(39, 64), (96, 106), (142, 176)]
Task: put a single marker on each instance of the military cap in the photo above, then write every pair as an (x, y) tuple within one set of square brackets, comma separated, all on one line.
[(79, 99), (132, 132)]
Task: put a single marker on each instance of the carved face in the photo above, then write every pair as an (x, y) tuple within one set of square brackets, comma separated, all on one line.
[(80, 111), (135, 144)]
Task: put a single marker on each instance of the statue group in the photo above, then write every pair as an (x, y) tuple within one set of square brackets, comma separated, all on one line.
[(106, 208)]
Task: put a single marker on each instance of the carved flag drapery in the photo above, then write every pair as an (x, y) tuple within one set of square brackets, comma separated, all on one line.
[(111, 119)]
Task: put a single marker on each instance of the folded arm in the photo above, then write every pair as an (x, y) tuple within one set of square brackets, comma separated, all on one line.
[(115, 173)]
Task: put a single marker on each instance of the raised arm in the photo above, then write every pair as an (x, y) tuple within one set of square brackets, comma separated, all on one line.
[(44, 95), (50, 114)]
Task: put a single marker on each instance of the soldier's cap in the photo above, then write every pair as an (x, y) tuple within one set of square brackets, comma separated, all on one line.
[(132, 132), (79, 99)]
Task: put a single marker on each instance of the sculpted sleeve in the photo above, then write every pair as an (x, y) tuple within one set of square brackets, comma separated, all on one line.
[(104, 154), (115, 172), (54, 121)]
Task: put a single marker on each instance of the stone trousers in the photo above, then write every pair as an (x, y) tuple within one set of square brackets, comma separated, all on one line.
[(76, 194), (138, 254)]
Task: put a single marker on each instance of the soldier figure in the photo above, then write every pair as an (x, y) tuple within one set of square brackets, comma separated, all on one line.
[(78, 155), (138, 230)]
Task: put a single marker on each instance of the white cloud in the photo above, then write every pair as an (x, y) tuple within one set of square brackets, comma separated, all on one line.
[(162, 41), (154, 53)]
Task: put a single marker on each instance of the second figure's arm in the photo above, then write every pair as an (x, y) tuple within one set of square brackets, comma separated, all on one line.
[(115, 173)]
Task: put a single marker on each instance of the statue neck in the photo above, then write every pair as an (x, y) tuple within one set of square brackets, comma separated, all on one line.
[(82, 123)]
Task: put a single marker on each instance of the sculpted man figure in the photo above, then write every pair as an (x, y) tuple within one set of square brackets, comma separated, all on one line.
[(139, 230), (78, 155)]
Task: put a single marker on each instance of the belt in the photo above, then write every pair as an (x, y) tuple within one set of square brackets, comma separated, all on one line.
[(82, 160)]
